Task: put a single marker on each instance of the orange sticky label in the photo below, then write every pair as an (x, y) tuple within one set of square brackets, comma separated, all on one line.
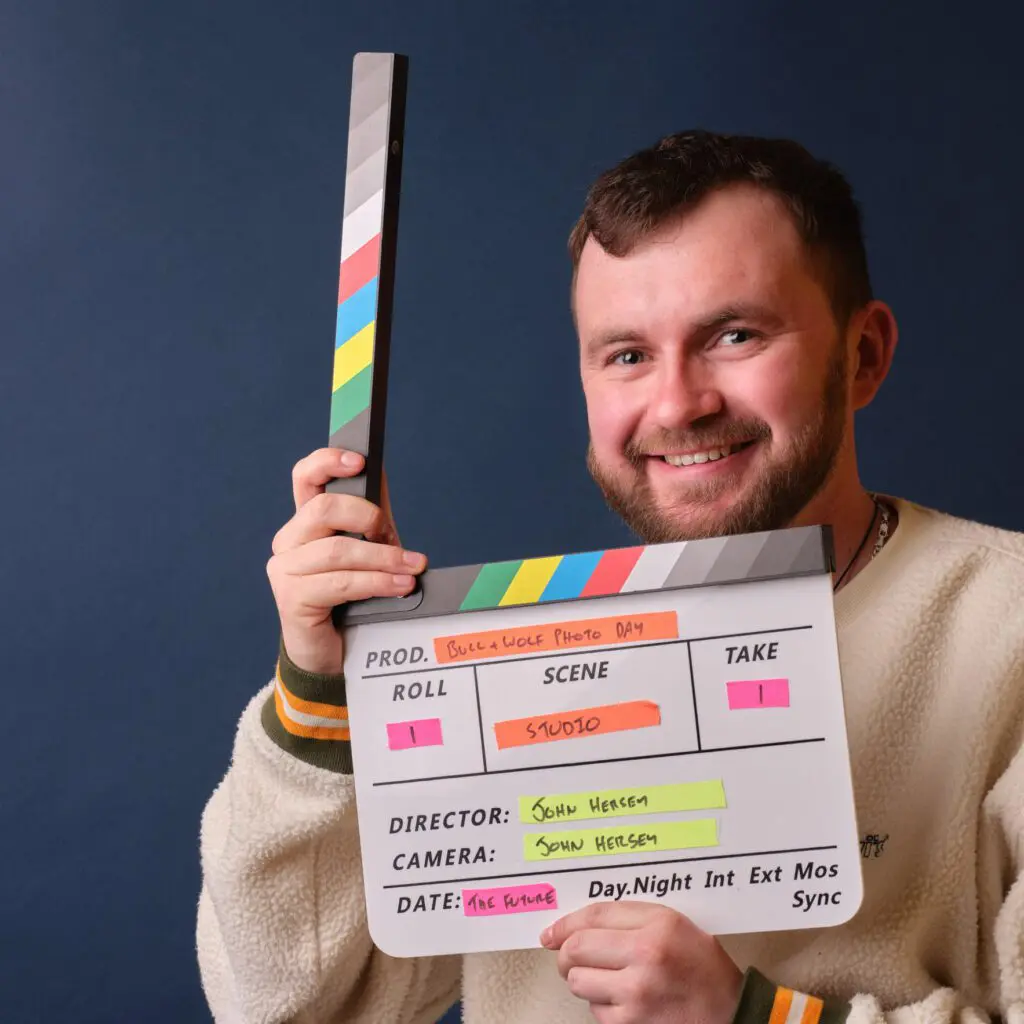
[(567, 725), (557, 636)]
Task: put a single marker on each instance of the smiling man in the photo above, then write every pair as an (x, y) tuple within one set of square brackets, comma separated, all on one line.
[(728, 335)]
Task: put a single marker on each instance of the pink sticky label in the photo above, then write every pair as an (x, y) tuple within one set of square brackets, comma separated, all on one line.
[(508, 899), (424, 732), (758, 693)]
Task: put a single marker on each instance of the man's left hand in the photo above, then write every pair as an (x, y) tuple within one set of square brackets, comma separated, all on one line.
[(643, 962)]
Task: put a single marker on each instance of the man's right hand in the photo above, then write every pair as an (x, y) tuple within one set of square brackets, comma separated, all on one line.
[(313, 569)]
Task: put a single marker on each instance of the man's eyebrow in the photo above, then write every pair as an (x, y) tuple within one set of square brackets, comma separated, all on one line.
[(739, 311), (606, 339)]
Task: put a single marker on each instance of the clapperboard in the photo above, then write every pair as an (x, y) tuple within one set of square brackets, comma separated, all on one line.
[(657, 723)]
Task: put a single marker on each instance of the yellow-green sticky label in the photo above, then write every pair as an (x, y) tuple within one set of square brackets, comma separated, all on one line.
[(621, 839), (614, 803)]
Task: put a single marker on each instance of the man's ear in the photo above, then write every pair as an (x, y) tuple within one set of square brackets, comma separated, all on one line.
[(872, 338)]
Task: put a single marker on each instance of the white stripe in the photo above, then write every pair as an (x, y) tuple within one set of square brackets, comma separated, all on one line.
[(796, 1008), (362, 224), (301, 718), (652, 567)]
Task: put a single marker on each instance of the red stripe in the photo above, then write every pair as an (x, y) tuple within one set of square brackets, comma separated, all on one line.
[(359, 269), (611, 572)]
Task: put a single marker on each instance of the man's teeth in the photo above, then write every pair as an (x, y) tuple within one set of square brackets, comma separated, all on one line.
[(711, 455)]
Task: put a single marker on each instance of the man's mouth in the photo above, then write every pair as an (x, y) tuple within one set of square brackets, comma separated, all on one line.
[(706, 455)]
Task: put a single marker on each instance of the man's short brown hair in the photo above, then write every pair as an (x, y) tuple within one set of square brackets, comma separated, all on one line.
[(657, 185)]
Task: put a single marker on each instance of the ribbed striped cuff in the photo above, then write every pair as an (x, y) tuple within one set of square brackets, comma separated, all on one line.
[(764, 1002), (306, 715)]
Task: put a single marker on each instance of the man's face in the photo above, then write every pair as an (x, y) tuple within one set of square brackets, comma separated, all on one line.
[(714, 372)]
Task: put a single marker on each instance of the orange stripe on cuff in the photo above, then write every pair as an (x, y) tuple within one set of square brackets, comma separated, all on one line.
[(780, 1008), (312, 707), (812, 1011), (309, 732)]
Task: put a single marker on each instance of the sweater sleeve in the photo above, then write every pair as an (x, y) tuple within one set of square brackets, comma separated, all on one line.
[(281, 926), (764, 1002)]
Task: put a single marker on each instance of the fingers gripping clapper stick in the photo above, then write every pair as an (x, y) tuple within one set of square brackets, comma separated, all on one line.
[(369, 236)]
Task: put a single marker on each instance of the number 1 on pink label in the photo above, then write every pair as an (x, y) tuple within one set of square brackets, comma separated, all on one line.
[(404, 735)]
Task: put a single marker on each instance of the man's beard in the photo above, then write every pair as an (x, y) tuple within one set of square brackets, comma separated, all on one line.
[(776, 497)]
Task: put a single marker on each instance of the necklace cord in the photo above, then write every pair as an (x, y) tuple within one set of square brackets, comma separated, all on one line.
[(860, 546)]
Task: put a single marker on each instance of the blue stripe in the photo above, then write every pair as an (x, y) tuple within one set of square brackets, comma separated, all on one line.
[(571, 576), (358, 310)]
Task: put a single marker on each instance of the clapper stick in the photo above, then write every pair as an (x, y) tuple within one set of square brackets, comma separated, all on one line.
[(369, 237)]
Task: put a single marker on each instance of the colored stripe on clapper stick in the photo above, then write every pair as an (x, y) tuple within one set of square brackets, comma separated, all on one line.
[(559, 578), (369, 235)]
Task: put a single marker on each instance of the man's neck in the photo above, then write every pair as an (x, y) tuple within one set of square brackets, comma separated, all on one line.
[(853, 516)]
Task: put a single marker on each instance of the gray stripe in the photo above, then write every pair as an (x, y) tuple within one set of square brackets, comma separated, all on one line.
[(366, 180), (736, 557), (354, 435), (448, 589), (815, 554), (694, 563), (367, 61), (788, 552), (371, 86), (369, 136)]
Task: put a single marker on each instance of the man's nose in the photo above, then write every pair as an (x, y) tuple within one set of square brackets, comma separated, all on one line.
[(684, 394)]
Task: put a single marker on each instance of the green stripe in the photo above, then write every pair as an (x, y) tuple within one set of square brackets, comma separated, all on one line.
[(351, 398), (835, 1012), (757, 996), (490, 586), (331, 755), (322, 689)]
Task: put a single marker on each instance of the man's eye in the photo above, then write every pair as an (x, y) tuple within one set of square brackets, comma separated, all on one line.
[(735, 336), (630, 357)]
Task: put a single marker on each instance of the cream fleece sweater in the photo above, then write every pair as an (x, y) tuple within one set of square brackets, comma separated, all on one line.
[(932, 649)]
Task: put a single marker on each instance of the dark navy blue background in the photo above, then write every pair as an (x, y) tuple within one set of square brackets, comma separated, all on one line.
[(170, 200)]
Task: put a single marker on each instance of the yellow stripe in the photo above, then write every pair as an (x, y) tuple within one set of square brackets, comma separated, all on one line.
[(353, 356), (812, 1011), (312, 707), (529, 582), (780, 1008)]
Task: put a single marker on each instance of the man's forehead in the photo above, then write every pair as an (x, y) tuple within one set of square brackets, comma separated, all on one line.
[(737, 245)]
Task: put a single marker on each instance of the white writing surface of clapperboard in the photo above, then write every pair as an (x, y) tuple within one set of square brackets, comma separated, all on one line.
[(662, 723)]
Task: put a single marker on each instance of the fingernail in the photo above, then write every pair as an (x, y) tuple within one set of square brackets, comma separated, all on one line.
[(414, 559), (351, 459), (402, 581), (545, 936)]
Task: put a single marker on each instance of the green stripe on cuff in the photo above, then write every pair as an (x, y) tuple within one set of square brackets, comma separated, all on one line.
[(323, 689), (331, 755), (835, 1011), (757, 997)]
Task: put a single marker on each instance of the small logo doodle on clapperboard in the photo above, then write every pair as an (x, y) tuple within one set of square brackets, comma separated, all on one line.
[(873, 844)]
